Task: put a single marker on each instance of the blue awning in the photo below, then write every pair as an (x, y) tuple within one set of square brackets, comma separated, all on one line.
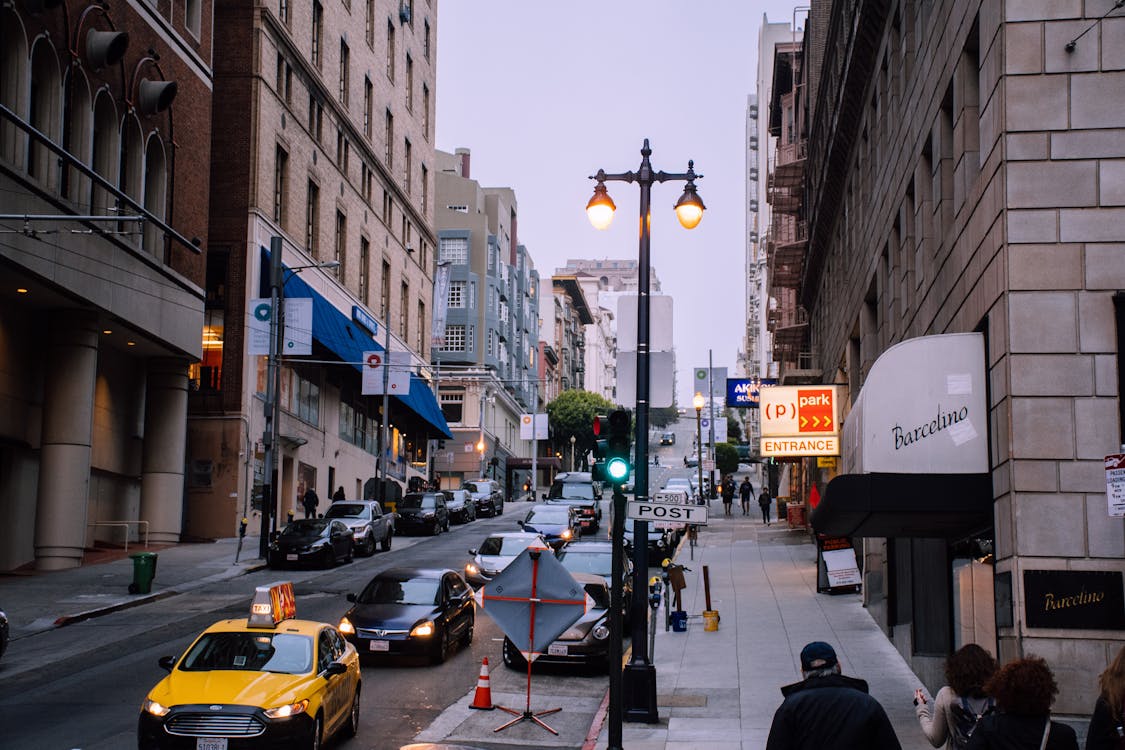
[(344, 338)]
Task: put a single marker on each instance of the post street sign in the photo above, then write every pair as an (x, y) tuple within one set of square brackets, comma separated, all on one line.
[(667, 512)]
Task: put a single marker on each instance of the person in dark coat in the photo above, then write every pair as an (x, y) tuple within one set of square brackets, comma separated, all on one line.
[(829, 711), (745, 490), (1024, 690), (727, 490), (338, 495), (310, 501), (1107, 725)]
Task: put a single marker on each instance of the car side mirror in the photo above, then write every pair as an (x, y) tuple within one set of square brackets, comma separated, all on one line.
[(473, 551), (167, 662), (519, 523), (352, 598), (335, 668)]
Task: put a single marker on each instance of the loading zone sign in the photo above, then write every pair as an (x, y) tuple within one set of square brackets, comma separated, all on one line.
[(667, 512)]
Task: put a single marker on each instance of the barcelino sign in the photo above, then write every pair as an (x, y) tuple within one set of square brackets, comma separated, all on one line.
[(800, 420)]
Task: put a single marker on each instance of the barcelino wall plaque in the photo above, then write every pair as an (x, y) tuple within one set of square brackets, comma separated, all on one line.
[(1074, 599)]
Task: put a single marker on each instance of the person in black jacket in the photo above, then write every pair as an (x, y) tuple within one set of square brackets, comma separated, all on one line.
[(1107, 725), (829, 711), (1024, 690)]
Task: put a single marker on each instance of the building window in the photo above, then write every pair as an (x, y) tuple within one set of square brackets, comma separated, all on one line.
[(193, 16), (343, 152), (455, 337), (457, 293), (491, 348), (426, 110), (385, 292), (453, 406), (455, 250), (345, 72), (425, 187), (283, 11), (389, 134), (368, 103), (367, 180), (312, 218), (304, 399), (410, 83), (426, 39), (284, 80), (388, 208), (422, 326), (403, 310), (369, 24), (317, 24), (280, 186), (316, 117), (407, 157), (341, 248), (391, 51), (364, 271)]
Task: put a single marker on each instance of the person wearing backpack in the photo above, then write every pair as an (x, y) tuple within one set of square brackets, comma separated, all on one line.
[(1107, 725), (960, 704), (1024, 690)]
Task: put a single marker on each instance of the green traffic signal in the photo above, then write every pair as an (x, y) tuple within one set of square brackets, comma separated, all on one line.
[(616, 469)]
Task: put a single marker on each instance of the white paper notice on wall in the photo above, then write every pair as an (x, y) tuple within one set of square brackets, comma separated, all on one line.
[(841, 567), (959, 384), (1115, 484), (962, 432)]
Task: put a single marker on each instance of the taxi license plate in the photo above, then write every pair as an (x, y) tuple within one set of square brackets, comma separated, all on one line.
[(557, 649), (379, 645), (291, 557), (211, 743)]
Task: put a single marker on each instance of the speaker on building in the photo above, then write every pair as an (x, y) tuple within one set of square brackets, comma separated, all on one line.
[(155, 96), (105, 47)]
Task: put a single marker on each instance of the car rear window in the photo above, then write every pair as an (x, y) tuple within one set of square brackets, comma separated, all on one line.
[(573, 489), (348, 510)]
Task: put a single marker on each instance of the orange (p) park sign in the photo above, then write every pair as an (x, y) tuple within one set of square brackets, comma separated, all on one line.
[(800, 420)]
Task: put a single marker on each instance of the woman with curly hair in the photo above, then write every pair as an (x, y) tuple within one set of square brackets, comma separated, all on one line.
[(960, 702), (1107, 725), (1024, 690)]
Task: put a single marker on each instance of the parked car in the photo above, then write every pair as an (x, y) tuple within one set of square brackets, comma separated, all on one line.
[(267, 681), (586, 642), (597, 558), (411, 612), (687, 484), (461, 506), (424, 512), (578, 489), (558, 524), (691, 461), (660, 542), (497, 551), (487, 496), (317, 541), (369, 524), (668, 438)]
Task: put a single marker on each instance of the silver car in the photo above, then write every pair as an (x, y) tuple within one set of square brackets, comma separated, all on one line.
[(368, 523), (462, 508), (496, 552)]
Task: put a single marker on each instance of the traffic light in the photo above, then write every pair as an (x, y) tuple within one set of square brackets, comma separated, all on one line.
[(601, 448), (618, 462)]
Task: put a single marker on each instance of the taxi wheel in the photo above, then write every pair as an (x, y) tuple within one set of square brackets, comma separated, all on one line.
[(315, 736), (386, 543), (352, 727)]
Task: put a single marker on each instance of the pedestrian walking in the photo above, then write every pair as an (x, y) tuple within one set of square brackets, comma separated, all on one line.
[(310, 501), (764, 501), (829, 711), (1107, 725), (338, 495), (727, 489), (949, 721), (1024, 690), (745, 490)]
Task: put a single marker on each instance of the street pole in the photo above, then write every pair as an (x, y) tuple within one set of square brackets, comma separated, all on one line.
[(481, 445), (381, 462), (534, 439), (638, 684), (711, 426), (273, 377), (699, 446)]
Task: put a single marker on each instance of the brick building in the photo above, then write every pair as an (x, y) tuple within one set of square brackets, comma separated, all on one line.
[(106, 113)]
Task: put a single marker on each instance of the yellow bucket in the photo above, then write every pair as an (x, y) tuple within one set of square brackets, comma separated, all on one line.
[(710, 620)]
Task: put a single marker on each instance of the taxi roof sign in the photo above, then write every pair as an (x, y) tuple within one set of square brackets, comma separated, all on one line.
[(272, 604)]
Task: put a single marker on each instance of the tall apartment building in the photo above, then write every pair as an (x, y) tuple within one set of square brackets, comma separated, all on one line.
[(489, 361), (963, 254), (104, 149), (565, 315), (326, 142)]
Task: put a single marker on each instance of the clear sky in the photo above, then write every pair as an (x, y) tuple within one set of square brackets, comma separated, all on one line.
[(545, 93)]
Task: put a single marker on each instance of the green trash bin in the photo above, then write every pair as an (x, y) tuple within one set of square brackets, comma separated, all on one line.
[(144, 570)]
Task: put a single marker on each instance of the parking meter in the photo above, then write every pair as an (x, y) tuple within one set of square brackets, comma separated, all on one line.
[(242, 528), (654, 587)]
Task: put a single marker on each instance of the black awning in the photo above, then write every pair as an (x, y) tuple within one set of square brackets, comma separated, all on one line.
[(935, 506)]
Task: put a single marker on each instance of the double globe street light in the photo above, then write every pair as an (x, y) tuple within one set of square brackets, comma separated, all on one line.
[(634, 689)]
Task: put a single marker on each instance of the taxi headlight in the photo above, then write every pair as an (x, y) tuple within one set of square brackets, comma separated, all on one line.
[(152, 707), (290, 709), (346, 627), (601, 631), (423, 629), (566, 534), (471, 569)]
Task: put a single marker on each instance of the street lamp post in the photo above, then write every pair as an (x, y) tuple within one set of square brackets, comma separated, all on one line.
[(572, 440), (697, 402), (273, 387), (634, 690)]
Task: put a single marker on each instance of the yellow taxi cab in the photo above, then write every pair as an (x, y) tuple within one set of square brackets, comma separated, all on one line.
[(267, 681)]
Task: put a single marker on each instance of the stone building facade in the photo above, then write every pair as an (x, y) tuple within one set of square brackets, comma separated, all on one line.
[(104, 145), (966, 173)]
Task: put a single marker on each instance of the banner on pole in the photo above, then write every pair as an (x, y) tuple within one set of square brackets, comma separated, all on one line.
[(297, 322), (396, 372), (540, 428), (441, 305)]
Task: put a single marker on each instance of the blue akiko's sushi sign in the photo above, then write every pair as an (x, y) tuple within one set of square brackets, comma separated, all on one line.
[(742, 393)]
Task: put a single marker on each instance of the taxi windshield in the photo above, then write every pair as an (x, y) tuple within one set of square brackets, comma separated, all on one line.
[(284, 653)]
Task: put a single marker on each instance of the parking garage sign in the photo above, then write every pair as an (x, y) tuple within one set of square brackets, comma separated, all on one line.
[(800, 420)]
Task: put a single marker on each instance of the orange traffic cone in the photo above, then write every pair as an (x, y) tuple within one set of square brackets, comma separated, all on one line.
[(483, 697)]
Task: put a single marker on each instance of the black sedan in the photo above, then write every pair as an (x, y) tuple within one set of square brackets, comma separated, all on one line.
[(424, 512), (558, 524), (312, 541), (586, 642), (411, 612), (462, 507)]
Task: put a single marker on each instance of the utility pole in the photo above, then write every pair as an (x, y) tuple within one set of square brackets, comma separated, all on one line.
[(711, 426), (534, 439), (273, 371), (381, 464)]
